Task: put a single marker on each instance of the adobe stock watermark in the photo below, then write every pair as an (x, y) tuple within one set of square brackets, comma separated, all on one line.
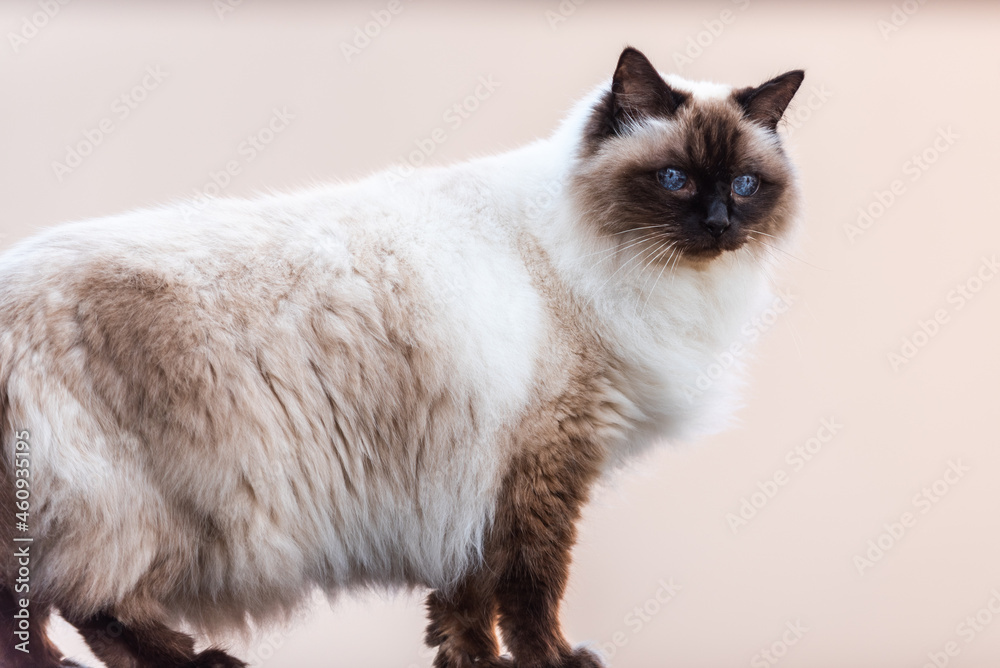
[(923, 501), (426, 655), (703, 39), (121, 108), (35, 23), (562, 13), (957, 299), (453, 117), (914, 168), (639, 618), (802, 111), (365, 34), (225, 7), (966, 631), (776, 651), (898, 17), (796, 459), (269, 642), (750, 331), (246, 152), (541, 203), (22, 543)]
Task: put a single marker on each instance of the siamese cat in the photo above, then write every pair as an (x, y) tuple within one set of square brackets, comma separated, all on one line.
[(206, 414)]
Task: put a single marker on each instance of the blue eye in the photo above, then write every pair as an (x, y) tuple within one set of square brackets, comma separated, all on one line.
[(745, 185), (672, 179)]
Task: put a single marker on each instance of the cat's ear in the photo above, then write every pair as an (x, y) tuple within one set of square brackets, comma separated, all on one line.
[(637, 92), (766, 103)]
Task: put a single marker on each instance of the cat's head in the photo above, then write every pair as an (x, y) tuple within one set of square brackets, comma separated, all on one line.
[(686, 170)]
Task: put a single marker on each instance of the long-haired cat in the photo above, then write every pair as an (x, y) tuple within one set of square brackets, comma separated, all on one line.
[(208, 413)]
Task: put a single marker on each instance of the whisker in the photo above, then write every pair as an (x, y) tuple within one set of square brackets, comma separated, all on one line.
[(768, 248), (619, 247), (781, 250), (633, 259), (662, 249), (673, 270), (636, 229), (645, 239), (739, 262), (767, 269), (657, 281)]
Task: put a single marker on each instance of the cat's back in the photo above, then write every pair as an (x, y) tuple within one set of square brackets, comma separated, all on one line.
[(424, 237), (153, 288), (164, 291)]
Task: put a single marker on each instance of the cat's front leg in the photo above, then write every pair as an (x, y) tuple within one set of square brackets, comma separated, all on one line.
[(529, 548)]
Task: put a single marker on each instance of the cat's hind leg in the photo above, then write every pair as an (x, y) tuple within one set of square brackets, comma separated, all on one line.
[(463, 626), (149, 645)]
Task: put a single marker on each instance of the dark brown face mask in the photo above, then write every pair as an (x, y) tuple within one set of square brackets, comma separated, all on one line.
[(713, 179)]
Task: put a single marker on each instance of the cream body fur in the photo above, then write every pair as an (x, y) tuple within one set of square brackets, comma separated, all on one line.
[(289, 332)]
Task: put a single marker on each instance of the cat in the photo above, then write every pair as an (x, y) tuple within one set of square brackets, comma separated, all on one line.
[(408, 382)]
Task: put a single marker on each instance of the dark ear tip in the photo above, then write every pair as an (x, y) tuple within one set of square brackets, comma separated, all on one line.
[(797, 76), (766, 103), (790, 81), (630, 53)]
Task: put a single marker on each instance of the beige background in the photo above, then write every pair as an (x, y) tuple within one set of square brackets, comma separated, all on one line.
[(886, 98)]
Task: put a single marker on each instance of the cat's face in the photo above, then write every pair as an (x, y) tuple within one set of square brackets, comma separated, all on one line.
[(686, 176)]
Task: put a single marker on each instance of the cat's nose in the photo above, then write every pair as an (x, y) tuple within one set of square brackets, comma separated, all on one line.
[(717, 220)]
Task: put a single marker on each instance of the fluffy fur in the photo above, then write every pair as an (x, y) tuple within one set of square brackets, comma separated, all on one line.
[(396, 382)]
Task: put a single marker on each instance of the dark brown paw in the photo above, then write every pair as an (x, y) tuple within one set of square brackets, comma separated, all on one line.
[(582, 658), (445, 659), (215, 658)]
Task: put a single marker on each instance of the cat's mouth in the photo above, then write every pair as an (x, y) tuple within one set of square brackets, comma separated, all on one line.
[(709, 248)]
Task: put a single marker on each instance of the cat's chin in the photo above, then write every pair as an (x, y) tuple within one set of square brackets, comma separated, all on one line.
[(704, 253)]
